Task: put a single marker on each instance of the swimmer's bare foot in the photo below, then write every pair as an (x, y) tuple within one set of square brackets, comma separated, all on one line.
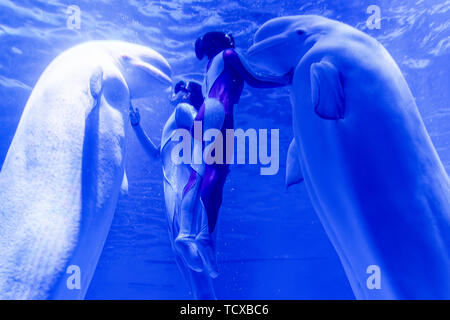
[(207, 253), (187, 248)]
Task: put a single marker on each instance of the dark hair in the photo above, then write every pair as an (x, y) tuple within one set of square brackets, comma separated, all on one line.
[(196, 96), (180, 86), (212, 43), (195, 92)]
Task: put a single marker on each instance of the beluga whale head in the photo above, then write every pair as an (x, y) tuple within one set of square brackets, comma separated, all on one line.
[(280, 43), (146, 72)]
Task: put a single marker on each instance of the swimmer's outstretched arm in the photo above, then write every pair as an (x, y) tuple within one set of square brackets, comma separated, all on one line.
[(230, 56), (148, 145)]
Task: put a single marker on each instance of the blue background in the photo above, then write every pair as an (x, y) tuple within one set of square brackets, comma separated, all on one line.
[(271, 245)]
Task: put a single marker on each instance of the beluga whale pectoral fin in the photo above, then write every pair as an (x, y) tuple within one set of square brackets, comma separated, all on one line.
[(124, 186), (96, 83), (327, 94), (294, 173)]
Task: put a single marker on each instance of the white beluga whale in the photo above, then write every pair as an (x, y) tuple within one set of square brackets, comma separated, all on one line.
[(370, 168), (64, 170)]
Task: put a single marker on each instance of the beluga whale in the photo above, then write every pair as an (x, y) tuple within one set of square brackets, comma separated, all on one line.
[(64, 170), (361, 147)]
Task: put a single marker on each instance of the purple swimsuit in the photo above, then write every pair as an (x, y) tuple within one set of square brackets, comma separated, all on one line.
[(226, 88)]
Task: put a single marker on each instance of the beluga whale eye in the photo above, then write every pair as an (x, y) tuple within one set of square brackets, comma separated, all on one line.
[(300, 32)]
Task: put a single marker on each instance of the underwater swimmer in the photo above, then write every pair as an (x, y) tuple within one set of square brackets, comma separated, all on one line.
[(222, 88), (187, 98)]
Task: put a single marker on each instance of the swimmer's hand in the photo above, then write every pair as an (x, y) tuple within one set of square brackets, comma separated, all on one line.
[(135, 116)]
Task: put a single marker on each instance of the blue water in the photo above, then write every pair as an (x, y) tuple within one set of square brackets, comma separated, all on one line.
[(271, 245)]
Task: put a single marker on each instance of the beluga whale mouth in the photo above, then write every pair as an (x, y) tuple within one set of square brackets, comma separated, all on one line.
[(142, 67)]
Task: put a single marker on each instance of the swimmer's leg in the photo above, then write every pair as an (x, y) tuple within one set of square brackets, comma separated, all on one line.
[(200, 283), (211, 197), (207, 251), (190, 219)]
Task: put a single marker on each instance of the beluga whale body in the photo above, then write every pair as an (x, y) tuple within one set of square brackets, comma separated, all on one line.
[(64, 170), (370, 168)]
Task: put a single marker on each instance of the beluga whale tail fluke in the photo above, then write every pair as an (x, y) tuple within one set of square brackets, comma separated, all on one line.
[(65, 167), (370, 168)]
